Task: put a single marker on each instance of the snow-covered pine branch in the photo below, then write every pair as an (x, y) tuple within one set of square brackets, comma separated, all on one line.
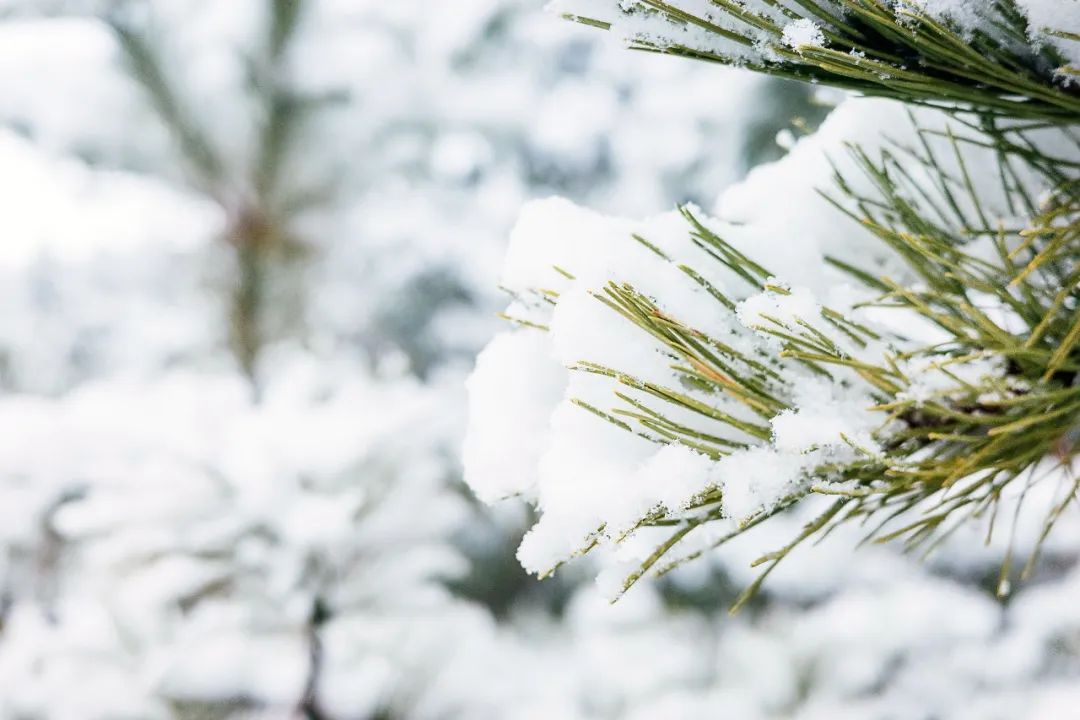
[(1018, 58), (881, 325)]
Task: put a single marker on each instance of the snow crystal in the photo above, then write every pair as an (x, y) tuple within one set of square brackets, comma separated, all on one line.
[(803, 32), (756, 479), (825, 416), (1045, 16), (787, 307), (683, 474)]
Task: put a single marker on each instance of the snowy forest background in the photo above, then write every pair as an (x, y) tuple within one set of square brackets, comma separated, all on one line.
[(249, 252)]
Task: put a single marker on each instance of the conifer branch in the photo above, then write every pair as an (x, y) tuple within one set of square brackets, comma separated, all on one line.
[(883, 48), (1008, 398)]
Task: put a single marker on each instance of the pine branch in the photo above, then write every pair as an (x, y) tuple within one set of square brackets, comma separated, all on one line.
[(889, 49), (1002, 293), (1006, 398)]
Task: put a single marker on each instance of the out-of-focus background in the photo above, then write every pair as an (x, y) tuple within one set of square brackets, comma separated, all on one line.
[(248, 249)]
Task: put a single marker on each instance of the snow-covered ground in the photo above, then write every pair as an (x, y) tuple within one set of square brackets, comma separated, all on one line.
[(184, 537)]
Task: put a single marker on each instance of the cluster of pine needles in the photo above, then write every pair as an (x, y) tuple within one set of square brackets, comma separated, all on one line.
[(886, 48)]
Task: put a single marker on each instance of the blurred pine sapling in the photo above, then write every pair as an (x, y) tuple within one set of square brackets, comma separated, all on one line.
[(259, 197)]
